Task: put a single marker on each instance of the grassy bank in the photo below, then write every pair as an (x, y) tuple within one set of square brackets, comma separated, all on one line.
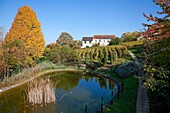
[(127, 102), (29, 73), (136, 51)]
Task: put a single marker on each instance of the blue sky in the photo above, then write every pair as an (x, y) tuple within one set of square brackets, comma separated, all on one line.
[(81, 17)]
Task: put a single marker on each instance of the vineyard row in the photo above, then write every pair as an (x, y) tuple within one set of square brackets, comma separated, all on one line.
[(95, 53)]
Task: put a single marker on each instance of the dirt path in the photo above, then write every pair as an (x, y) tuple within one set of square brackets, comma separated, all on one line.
[(46, 72), (142, 102)]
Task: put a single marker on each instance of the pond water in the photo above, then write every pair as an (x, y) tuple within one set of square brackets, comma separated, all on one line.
[(66, 92)]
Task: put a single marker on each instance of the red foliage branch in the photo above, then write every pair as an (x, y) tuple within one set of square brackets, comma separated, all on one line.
[(161, 27)]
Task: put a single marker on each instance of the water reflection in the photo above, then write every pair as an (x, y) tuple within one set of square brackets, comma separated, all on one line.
[(56, 93), (65, 80)]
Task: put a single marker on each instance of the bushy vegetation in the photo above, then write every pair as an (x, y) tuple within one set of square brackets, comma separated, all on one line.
[(156, 59), (115, 41), (29, 72), (128, 36), (133, 44), (126, 69), (156, 65), (62, 55)]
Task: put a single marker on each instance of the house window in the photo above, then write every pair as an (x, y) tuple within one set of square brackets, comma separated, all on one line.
[(89, 42), (103, 40), (95, 40), (85, 42)]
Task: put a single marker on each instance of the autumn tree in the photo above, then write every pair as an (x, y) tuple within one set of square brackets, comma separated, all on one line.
[(77, 44), (156, 60), (128, 36), (14, 57), (65, 39), (2, 62), (27, 28)]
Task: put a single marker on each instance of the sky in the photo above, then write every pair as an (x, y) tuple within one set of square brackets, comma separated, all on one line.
[(82, 18)]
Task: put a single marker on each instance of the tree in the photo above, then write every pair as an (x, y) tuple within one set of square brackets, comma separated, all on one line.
[(1, 34), (62, 55), (27, 28), (2, 63), (13, 56), (65, 39), (115, 41), (156, 57), (128, 36), (161, 27), (125, 36), (77, 44)]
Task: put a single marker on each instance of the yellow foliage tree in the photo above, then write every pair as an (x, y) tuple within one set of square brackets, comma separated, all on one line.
[(27, 28)]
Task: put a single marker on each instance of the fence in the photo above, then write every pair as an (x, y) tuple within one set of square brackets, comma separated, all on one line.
[(104, 101), (101, 103)]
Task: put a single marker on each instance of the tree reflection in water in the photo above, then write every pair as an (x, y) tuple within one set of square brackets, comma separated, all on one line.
[(56, 92)]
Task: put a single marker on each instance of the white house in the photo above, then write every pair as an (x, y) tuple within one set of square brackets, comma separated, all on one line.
[(102, 40), (87, 42)]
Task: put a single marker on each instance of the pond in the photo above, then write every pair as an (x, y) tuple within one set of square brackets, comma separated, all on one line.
[(60, 92)]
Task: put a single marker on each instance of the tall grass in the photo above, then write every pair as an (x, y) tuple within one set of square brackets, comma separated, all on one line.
[(41, 92), (28, 73)]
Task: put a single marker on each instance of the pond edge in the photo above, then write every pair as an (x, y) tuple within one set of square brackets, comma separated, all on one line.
[(58, 70), (38, 75)]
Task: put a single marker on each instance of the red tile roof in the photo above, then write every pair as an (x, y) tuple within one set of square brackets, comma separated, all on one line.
[(87, 39), (104, 36)]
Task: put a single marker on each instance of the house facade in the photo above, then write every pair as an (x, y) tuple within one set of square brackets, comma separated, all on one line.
[(87, 42), (102, 40)]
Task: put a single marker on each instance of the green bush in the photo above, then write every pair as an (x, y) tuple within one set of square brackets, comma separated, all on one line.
[(63, 55), (115, 41), (126, 69)]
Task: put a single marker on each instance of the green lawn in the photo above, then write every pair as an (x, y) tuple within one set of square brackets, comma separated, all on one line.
[(127, 102), (136, 51)]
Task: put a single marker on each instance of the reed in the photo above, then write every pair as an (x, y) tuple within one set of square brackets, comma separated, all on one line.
[(41, 92)]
